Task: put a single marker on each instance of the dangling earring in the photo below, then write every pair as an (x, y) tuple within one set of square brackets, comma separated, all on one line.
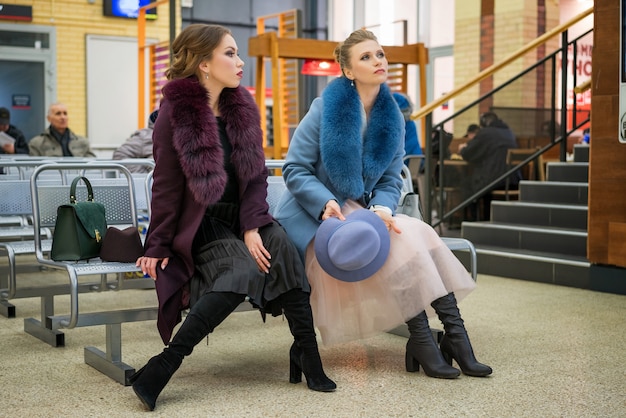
[(206, 76), (352, 83)]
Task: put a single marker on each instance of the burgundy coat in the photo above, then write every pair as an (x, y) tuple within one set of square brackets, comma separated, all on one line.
[(189, 176)]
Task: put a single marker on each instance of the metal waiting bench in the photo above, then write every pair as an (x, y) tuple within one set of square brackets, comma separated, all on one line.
[(121, 211), (20, 204)]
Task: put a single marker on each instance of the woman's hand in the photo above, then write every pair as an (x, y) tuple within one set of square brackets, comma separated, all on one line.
[(389, 221), (253, 241), (149, 265), (332, 209)]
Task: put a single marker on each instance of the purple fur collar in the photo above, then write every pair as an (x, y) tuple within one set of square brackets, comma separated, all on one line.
[(196, 136)]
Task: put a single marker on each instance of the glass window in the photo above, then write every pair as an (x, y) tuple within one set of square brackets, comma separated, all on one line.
[(25, 39)]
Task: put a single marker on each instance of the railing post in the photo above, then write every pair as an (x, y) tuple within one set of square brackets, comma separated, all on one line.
[(427, 168), (563, 133)]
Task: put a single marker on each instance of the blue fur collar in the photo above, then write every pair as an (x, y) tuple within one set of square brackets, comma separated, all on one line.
[(349, 155)]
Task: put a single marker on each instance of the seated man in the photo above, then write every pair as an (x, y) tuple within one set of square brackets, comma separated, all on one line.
[(58, 140), (139, 145), (486, 153), (19, 145)]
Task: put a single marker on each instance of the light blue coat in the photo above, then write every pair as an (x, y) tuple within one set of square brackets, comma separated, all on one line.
[(335, 153)]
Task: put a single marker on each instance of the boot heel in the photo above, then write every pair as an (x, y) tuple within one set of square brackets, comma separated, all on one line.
[(411, 364), (295, 372)]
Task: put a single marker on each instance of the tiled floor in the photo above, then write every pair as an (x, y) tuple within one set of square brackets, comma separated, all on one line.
[(555, 351)]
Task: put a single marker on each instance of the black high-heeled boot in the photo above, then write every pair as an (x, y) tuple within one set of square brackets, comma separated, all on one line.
[(210, 310), (149, 381), (455, 343), (304, 356), (421, 348)]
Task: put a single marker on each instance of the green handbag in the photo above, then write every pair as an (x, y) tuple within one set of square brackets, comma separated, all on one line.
[(79, 227)]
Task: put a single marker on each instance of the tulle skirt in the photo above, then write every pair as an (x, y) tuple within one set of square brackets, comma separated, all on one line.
[(420, 269)]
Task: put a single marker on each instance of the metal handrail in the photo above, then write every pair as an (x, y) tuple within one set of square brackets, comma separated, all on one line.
[(426, 112), (489, 71)]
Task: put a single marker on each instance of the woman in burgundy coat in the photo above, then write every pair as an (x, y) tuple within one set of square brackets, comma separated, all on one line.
[(211, 240)]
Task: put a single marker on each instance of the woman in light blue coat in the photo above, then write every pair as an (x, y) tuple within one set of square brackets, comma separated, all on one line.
[(347, 154)]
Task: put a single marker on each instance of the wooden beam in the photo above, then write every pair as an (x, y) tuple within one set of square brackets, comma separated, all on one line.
[(301, 48)]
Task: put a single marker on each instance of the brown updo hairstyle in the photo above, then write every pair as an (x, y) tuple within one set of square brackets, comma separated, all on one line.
[(193, 45), (342, 51)]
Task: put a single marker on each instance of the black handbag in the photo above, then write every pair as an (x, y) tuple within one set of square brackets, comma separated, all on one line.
[(80, 227), (122, 245)]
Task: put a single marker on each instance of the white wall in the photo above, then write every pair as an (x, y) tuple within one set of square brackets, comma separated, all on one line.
[(111, 91)]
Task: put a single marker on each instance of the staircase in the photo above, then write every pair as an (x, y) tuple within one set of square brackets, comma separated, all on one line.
[(543, 236)]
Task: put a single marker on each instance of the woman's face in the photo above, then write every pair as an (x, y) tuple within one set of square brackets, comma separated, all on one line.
[(225, 68), (368, 63)]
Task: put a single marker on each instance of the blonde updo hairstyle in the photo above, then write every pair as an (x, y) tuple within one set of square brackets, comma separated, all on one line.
[(342, 51), (193, 45)]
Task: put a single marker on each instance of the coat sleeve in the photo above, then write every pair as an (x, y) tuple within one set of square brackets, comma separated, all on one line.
[(168, 190), (34, 146), (129, 149), (254, 209), (475, 149), (21, 146), (388, 188)]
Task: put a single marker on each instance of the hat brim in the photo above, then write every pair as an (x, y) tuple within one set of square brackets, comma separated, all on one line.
[(325, 232)]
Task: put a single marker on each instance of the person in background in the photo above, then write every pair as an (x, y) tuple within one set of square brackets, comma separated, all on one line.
[(58, 140), (411, 140), (20, 146), (471, 132), (345, 156), (211, 240), (586, 136), (139, 145), (486, 154)]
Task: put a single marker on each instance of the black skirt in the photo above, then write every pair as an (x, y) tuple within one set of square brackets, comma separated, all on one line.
[(224, 264)]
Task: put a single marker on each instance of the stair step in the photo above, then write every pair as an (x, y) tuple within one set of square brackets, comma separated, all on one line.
[(569, 193), (539, 214), (569, 171), (552, 241), (571, 260), (533, 266), (581, 153)]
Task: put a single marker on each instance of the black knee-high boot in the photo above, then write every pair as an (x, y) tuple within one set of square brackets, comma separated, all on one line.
[(304, 356), (210, 310), (421, 348), (455, 343)]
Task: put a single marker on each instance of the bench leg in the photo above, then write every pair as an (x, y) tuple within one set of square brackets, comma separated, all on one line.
[(51, 336), (44, 331), (110, 363), (7, 309)]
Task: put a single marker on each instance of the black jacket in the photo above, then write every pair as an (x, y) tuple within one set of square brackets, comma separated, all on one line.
[(486, 154), (21, 146)]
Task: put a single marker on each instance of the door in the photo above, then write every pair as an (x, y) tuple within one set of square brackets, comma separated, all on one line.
[(22, 92), (27, 74)]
